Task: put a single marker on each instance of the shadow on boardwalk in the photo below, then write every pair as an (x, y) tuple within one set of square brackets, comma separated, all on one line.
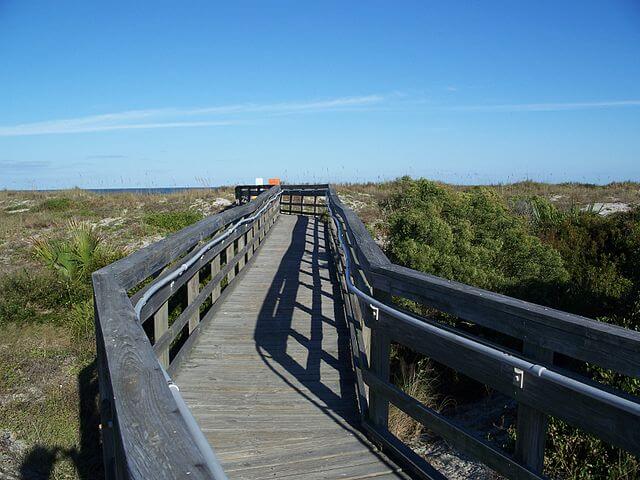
[(274, 327)]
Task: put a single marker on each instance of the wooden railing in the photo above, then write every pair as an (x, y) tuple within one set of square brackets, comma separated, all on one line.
[(246, 193), (529, 376), (295, 199), (144, 434)]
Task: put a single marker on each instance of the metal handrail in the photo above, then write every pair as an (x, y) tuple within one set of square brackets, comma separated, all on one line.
[(211, 460), (513, 361), (153, 289)]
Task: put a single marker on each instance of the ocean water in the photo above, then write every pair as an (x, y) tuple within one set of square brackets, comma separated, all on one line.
[(149, 191)]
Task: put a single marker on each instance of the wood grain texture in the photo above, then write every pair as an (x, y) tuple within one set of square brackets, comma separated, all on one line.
[(608, 422), (150, 438), (160, 326), (532, 423), (193, 288), (269, 377)]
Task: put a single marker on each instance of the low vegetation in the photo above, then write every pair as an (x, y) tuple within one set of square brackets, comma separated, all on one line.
[(172, 221), (519, 239), (49, 245)]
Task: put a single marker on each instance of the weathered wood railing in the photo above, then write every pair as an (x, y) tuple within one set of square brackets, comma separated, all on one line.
[(143, 432), (295, 199), (246, 193), (145, 436), (528, 376)]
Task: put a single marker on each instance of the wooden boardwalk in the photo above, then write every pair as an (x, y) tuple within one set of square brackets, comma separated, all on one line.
[(269, 379)]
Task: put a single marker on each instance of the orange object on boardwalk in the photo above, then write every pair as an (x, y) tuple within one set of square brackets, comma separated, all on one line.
[(274, 181)]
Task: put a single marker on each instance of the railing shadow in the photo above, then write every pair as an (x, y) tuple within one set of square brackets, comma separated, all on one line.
[(40, 460), (274, 327)]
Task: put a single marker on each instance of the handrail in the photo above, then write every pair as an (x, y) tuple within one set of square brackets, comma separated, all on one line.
[(515, 362), (204, 446), (129, 369), (142, 409), (540, 388), (194, 258)]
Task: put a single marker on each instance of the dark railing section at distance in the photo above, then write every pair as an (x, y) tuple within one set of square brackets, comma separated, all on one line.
[(246, 193), (303, 199), (144, 433), (296, 199), (529, 376)]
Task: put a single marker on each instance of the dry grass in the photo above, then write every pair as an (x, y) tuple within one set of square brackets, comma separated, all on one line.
[(42, 382), (48, 414), (420, 381), (121, 217), (567, 195)]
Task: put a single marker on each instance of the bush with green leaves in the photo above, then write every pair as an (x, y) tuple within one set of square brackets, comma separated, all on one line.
[(471, 237), (601, 253), (172, 221), (62, 293), (33, 297), (56, 204), (76, 257), (575, 260)]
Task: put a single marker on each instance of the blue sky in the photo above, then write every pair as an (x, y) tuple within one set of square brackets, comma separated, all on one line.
[(150, 94)]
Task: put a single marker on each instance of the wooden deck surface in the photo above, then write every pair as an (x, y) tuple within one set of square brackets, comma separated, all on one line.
[(269, 379)]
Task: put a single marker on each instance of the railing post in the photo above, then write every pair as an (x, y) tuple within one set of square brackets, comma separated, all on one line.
[(215, 269), (193, 288), (230, 254), (250, 242), (260, 228), (161, 325), (379, 355), (241, 244), (532, 423)]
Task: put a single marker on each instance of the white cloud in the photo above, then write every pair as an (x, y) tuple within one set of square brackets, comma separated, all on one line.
[(170, 117), (549, 107)]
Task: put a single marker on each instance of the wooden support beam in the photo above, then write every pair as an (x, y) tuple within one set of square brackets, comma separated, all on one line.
[(230, 251), (532, 423), (215, 268), (241, 243), (250, 242), (160, 325), (379, 351), (193, 288)]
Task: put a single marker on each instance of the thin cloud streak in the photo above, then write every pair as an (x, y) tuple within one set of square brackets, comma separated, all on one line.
[(549, 107), (149, 119)]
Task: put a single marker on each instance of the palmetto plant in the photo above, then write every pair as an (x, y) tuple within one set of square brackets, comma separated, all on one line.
[(76, 257)]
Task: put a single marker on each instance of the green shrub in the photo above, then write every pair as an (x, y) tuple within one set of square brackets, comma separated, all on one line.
[(172, 221), (471, 237), (571, 453), (76, 257), (33, 297), (602, 255), (81, 321), (575, 260), (59, 204)]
